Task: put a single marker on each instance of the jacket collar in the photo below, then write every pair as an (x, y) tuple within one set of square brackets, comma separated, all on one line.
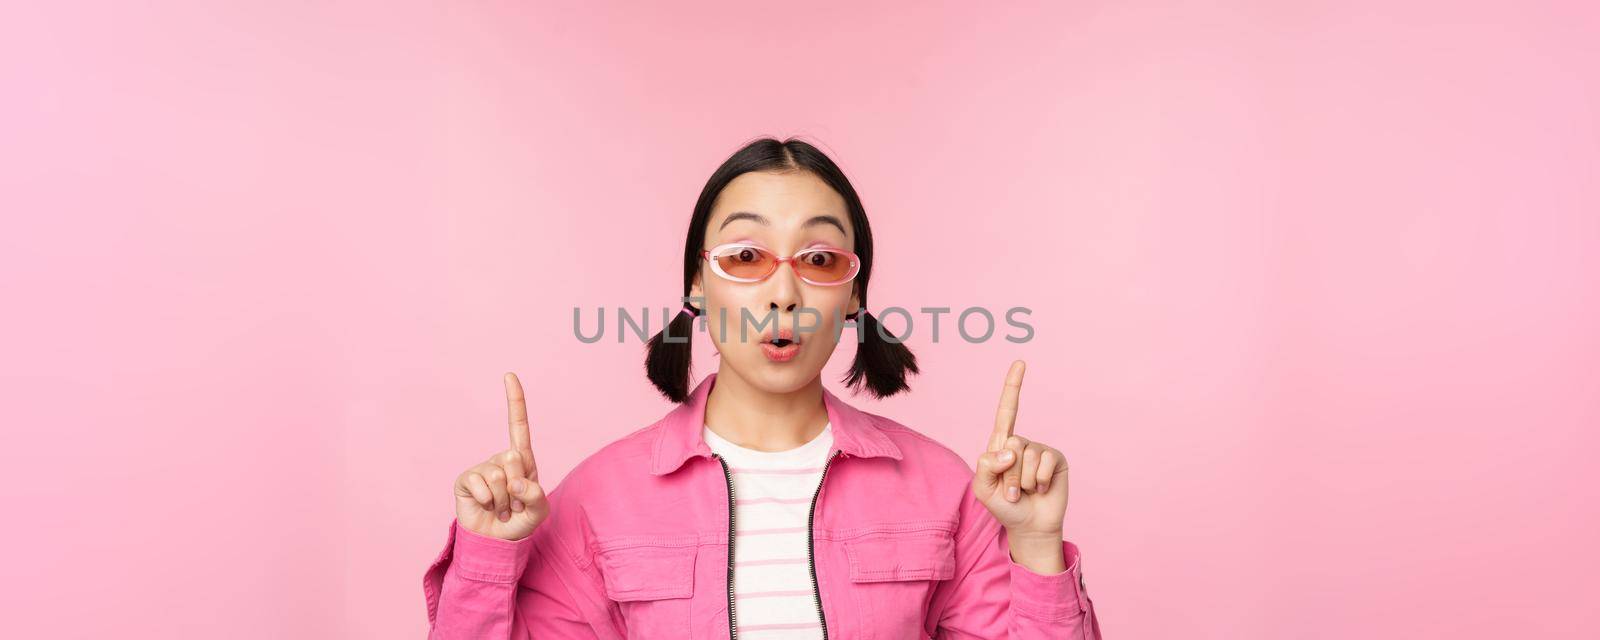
[(680, 436)]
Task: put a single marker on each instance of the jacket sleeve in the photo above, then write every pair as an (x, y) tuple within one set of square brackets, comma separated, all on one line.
[(991, 596), (536, 588)]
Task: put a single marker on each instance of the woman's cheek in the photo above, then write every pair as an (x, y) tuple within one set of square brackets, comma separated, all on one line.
[(823, 343)]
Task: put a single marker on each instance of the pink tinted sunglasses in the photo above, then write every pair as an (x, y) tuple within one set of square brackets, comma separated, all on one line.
[(744, 262)]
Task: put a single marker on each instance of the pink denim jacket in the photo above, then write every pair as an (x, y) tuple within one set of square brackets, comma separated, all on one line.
[(637, 546)]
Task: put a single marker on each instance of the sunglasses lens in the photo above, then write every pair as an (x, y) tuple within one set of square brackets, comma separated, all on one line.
[(824, 266), (745, 262)]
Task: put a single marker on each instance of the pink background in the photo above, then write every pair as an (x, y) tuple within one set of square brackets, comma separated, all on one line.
[(1316, 287)]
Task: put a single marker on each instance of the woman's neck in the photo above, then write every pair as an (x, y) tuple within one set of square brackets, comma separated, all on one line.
[(755, 419)]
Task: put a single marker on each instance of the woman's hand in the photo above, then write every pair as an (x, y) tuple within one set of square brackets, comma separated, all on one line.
[(501, 497), (1024, 484)]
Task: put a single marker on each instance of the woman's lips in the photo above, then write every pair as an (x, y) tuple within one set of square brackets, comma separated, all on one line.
[(780, 354)]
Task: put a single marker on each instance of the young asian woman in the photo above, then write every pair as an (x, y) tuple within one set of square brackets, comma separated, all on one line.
[(762, 505)]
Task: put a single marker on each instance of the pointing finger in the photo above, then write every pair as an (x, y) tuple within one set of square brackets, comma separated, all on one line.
[(1005, 418), (517, 409)]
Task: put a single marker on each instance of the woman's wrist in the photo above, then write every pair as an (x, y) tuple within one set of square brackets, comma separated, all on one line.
[(1037, 552)]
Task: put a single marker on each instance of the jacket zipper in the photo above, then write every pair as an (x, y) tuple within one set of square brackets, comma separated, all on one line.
[(733, 627), (811, 549)]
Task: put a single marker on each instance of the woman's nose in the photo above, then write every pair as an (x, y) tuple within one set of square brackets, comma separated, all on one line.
[(785, 288)]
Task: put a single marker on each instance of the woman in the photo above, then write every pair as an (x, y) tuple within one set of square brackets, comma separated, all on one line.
[(763, 506)]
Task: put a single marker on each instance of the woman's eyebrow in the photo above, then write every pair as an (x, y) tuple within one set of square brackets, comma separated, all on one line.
[(760, 219)]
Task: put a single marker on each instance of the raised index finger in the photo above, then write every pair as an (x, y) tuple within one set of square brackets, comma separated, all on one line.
[(1006, 416), (517, 407)]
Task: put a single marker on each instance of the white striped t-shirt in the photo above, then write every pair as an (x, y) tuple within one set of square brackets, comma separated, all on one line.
[(773, 595)]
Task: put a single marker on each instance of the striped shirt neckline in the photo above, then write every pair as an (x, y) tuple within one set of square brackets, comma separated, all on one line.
[(773, 594)]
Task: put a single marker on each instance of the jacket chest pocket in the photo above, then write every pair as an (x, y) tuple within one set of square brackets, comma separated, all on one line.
[(893, 575), (652, 587)]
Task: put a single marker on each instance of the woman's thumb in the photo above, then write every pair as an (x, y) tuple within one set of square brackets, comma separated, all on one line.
[(992, 466), (525, 490)]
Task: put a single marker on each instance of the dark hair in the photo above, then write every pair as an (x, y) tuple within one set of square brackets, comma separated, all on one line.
[(882, 360)]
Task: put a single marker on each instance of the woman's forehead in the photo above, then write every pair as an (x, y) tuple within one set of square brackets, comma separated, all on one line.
[(796, 201)]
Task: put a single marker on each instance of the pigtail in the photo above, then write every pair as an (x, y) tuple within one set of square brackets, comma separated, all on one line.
[(882, 359), (667, 363)]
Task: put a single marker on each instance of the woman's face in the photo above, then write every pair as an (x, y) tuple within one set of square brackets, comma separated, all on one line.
[(783, 213)]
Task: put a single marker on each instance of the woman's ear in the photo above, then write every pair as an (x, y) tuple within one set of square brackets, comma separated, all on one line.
[(697, 293)]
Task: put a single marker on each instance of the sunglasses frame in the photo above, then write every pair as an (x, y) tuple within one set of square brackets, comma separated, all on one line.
[(716, 267)]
